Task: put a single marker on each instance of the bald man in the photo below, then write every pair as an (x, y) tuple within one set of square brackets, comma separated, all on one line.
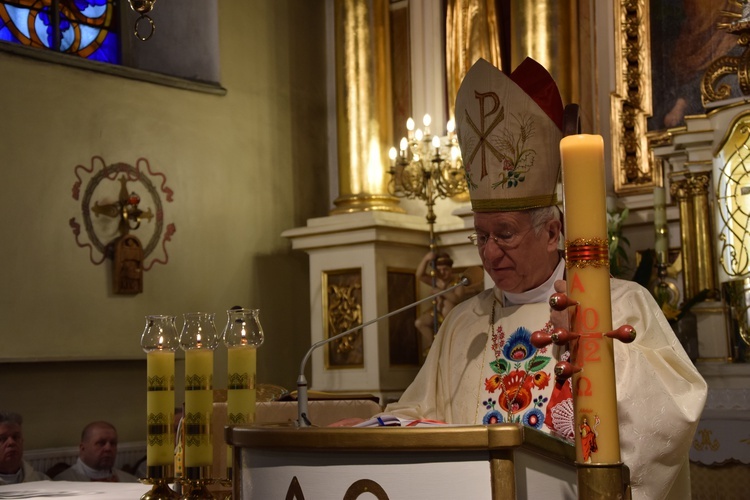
[(96, 457)]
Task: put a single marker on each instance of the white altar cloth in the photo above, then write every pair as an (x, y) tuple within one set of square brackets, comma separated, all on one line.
[(45, 490)]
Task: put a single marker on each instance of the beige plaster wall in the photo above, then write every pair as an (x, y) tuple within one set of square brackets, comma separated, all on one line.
[(244, 167)]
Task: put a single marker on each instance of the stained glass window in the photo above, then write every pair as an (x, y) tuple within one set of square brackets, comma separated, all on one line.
[(86, 28)]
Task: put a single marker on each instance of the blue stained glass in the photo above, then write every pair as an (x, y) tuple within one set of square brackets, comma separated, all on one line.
[(43, 29), (92, 41), (86, 4), (88, 35), (19, 16), (6, 35), (93, 11), (108, 51), (67, 35)]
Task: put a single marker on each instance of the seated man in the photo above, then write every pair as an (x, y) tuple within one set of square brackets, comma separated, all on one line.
[(96, 457), (13, 468), (482, 367)]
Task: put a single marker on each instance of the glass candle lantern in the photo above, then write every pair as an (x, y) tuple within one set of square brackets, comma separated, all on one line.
[(198, 339), (242, 335), (159, 340)]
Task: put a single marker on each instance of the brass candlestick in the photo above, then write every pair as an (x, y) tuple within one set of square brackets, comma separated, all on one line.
[(160, 478), (196, 482)]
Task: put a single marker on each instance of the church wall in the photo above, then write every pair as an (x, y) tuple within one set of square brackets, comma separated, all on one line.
[(243, 167)]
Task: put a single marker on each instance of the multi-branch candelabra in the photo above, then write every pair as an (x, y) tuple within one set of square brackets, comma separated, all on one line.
[(427, 167)]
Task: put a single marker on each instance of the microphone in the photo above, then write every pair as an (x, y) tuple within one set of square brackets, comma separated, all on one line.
[(302, 420)]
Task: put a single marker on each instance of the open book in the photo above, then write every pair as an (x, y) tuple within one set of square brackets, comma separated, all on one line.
[(394, 421)]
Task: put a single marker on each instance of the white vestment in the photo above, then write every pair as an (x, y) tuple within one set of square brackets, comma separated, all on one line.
[(660, 393), (79, 471)]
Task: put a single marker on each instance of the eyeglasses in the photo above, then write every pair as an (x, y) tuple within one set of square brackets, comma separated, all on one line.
[(507, 240)]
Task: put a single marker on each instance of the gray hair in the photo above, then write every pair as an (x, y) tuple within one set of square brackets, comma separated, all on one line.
[(540, 216), (10, 417)]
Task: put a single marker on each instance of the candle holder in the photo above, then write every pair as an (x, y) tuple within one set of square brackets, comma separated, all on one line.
[(159, 341), (196, 482), (242, 335), (426, 167), (160, 490), (198, 339)]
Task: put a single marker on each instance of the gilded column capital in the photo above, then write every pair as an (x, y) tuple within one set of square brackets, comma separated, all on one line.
[(679, 189), (698, 184)]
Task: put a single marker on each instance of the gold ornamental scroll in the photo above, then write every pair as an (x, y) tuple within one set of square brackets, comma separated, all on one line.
[(363, 105), (587, 260)]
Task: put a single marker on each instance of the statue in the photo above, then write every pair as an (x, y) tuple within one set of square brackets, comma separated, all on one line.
[(444, 277)]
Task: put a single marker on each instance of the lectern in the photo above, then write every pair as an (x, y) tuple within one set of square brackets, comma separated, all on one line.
[(503, 461)]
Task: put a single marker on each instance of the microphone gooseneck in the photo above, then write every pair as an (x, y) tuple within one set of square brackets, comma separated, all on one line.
[(302, 417)]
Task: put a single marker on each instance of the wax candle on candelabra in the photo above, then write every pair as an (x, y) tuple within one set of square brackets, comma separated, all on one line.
[(159, 340), (242, 335), (198, 339), (587, 260), (661, 238), (241, 362), (160, 408)]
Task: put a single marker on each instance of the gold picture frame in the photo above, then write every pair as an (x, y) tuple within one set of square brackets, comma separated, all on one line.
[(655, 92), (633, 169)]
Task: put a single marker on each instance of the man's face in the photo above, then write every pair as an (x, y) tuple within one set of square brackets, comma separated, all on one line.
[(515, 256), (11, 447), (99, 449)]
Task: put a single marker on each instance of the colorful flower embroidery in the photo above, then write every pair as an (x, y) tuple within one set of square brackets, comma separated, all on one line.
[(518, 396), (520, 381), (519, 346), (541, 379), (493, 417), (534, 418), (498, 340), (540, 401), (517, 159), (489, 403), (492, 384)]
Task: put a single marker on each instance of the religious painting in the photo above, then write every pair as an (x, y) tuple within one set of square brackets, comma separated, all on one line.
[(686, 38), (342, 311), (662, 50)]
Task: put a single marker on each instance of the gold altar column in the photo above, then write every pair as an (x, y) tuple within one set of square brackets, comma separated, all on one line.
[(547, 31), (471, 33), (691, 193), (363, 105)]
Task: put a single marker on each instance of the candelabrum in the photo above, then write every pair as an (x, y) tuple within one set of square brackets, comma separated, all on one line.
[(427, 167)]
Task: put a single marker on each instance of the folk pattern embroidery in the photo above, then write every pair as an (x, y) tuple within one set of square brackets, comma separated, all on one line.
[(521, 387), (518, 373), (517, 158), (507, 145)]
